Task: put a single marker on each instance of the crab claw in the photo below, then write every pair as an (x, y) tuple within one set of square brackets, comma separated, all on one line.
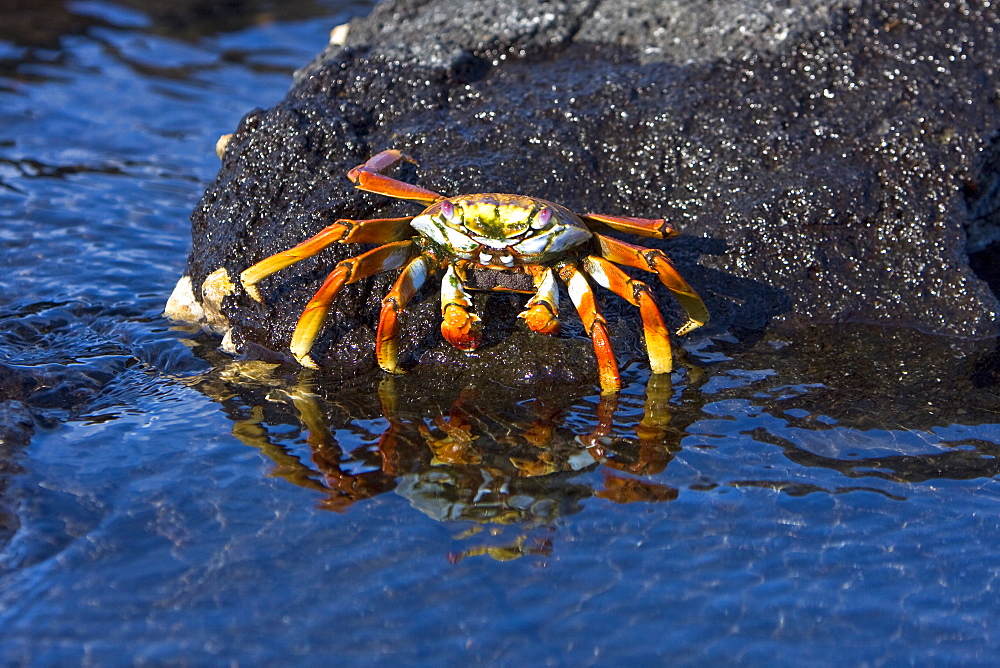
[(542, 314), (461, 328), (368, 176), (540, 318)]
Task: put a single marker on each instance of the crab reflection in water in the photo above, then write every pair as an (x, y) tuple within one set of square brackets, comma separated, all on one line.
[(487, 463)]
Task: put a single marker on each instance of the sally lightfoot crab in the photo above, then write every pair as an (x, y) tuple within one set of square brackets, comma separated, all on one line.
[(526, 243)]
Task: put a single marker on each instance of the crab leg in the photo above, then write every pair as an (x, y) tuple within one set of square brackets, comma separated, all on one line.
[(644, 227), (368, 177), (636, 293), (410, 279), (460, 327), (378, 230), (384, 258), (542, 312), (655, 261), (595, 325)]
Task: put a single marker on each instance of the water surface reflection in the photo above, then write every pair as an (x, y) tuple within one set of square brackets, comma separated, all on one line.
[(488, 457)]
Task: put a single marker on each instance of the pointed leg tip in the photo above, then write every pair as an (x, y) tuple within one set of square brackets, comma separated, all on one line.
[(306, 360), (689, 327), (253, 292), (250, 286), (391, 367), (661, 369)]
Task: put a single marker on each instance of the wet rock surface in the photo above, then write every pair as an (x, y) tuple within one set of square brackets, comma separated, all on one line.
[(827, 163)]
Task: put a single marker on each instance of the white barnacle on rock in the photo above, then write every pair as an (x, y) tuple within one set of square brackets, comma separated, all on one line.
[(221, 144), (338, 36), (184, 306), (217, 286)]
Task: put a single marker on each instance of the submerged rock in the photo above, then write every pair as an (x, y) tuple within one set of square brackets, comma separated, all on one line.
[(827, 163)]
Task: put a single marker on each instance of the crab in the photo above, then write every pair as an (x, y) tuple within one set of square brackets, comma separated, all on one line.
[(520, 243)]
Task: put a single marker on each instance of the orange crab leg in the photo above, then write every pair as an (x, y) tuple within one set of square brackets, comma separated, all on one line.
[(595, 325), (409, 281), (460, 327), (655, 261), (368, 177), (384, 258), (644, 227), (636, 293), (542, 312), (378, 230)]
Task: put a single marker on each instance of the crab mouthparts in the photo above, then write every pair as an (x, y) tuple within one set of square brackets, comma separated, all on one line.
[(495, 257)]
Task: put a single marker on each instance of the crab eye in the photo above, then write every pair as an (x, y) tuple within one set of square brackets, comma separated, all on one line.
[(447, 210), (542, 219)]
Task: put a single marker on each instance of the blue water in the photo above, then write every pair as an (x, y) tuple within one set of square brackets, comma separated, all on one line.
[(178, 507)]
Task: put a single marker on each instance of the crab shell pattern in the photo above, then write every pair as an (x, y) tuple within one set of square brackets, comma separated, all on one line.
[(526, 238)]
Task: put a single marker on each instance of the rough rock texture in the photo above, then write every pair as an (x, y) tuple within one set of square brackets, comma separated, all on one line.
[(827, 162)]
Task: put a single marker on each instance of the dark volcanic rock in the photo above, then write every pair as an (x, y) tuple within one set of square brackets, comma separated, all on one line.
[(827, 162)]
